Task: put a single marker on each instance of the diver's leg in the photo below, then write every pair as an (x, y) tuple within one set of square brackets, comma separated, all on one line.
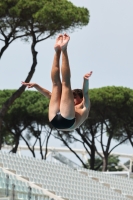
[(67, 101), (54, 105)]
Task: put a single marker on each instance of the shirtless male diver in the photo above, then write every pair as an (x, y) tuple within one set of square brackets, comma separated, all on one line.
[(68, 108)]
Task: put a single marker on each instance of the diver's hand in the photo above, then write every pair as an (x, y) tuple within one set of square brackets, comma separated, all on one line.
[(29, 85), (86, 76)]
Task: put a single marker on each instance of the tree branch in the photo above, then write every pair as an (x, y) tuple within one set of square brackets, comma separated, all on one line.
[(40, 147), (86, 149), (76, 139), (3, 33), (47, 144), (45, 38), (98, 153), (72, 150), (118, 144), (28, 146), (83, 138), (102, 138), (20, 36), (2, 40)]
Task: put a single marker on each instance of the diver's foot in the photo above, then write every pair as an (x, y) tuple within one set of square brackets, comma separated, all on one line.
[(58, 43), (64, 44)]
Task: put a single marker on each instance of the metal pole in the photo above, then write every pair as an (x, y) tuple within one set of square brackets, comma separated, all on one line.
[(29, 193), (19, 151), (7, 185), (130, 168), (13, 192)]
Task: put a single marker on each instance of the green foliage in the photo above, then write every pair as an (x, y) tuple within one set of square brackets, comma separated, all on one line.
[(110, 117), (31, 105), (30, 108), (115, 98), (44, 15), (113, 106), (113, 163), (37, 20), (8, 138)]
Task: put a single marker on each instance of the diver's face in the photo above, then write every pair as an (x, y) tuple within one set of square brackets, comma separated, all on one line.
[(77, 99)]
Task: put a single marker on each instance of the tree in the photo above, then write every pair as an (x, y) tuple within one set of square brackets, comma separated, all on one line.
[(108, 106), (9, 25), (38, 21), (125, 115), (27, 111), (113, 163), (17, 16), (110, 102)]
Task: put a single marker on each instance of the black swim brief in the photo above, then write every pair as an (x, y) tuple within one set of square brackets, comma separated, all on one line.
[(60, 122)]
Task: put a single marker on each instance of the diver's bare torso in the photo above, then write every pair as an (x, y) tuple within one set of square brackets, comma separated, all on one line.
[(81, 114)]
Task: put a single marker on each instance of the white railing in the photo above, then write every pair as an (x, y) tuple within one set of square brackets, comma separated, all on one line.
[(82, 152)]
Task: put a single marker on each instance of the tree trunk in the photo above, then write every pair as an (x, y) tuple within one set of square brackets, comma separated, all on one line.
[(66, 144), (17, 137), (92, 161), (47, 145), (9, 39), (4, 48), (17, 94), (129, 137), (1, 133), (105, 163), (92, 158)]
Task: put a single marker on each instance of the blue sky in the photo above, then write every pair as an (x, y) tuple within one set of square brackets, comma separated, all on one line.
[(104, 46)]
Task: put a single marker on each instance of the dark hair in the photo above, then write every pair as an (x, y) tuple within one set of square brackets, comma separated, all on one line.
[(78, 92)]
